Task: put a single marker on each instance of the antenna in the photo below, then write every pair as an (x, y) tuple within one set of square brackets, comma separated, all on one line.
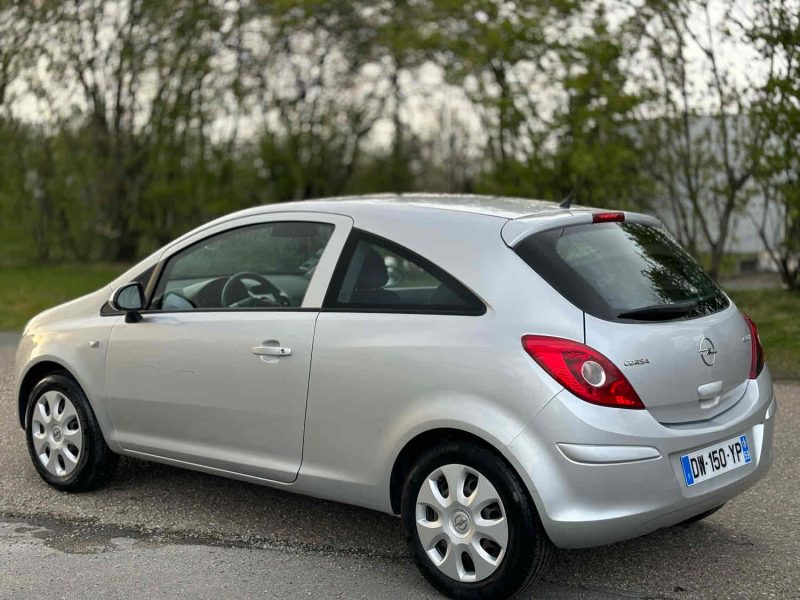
[(567, 202)]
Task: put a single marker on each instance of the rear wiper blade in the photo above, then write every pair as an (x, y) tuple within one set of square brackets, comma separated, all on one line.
[(659, 312)]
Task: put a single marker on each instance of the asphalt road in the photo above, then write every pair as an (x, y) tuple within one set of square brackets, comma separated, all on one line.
[(161, 532)]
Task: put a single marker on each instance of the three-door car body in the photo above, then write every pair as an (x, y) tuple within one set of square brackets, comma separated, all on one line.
[(320, 346)]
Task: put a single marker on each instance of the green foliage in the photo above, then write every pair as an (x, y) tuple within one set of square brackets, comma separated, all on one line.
[(26, 291), (494, 51), (776, 33), (775, 312), (599, 156), (124, 123)]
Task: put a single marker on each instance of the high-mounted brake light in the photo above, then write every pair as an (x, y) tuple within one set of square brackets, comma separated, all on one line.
[(583, 371), (608, 217), (757, 350)]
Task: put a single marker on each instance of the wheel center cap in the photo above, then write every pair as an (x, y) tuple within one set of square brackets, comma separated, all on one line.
[(461, 522), (56, 434)]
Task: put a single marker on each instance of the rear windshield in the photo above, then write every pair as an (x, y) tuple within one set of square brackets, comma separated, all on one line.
[(623, 271)]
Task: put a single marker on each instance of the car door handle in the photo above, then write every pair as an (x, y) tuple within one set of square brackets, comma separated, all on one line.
[(272, 351)]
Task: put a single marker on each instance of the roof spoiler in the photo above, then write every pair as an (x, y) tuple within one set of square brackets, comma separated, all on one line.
[(516, 230)]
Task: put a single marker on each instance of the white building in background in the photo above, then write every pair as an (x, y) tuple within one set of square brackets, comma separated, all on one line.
[(744, 240)]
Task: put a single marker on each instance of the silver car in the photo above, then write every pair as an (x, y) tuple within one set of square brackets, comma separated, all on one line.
[(506, 375)]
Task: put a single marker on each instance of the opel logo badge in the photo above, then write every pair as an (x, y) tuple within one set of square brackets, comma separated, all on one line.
[(56, 434), (708, 353)]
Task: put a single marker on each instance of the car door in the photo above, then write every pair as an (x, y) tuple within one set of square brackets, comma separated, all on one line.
[(405, 333), (216, 373)]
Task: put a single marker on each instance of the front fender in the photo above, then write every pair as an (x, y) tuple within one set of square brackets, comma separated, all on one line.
[(73, 337)]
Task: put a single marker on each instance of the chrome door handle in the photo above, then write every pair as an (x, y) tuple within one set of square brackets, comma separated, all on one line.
[(272, 351)]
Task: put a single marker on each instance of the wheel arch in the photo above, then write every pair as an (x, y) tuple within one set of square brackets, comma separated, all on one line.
[(431, 438), (34, 375)]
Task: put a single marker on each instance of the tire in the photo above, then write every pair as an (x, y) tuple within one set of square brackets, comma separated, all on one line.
[(59, 422), (700, 517), (516, 566)]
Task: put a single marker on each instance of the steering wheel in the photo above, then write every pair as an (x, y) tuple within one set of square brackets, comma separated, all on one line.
[(235, 293)]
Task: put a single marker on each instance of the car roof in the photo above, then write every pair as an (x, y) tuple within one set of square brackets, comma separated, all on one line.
[(519, 217), (505, 207)]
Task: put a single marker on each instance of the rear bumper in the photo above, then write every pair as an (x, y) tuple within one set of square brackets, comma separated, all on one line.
[(602, 475)]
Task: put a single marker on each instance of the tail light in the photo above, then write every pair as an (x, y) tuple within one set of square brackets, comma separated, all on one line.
[(757, 350), (583, 371)]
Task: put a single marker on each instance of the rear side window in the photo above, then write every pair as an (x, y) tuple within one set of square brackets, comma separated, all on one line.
[(375, 274), (623, 271)]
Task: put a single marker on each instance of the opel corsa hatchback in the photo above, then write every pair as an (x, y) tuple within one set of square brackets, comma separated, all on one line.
[(506, 375)]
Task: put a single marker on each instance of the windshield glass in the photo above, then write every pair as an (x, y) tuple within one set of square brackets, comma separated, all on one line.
[(623, 271)]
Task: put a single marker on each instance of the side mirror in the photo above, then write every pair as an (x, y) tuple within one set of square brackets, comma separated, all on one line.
[(130, 300)]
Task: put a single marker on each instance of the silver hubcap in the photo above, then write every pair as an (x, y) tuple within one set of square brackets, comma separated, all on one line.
[(461, 523), (56, 432)]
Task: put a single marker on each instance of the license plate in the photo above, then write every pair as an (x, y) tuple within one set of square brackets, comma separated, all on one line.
[(716, 460)]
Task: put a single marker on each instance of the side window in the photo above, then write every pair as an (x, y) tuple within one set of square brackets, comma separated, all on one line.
[(259, 266), (376, 274)]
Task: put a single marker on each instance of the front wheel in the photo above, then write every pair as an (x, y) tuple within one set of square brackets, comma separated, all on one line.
[(471, 525), (64, 439)]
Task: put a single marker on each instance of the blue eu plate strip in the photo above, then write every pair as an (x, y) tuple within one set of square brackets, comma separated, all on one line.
[(745, 448), (687, 470)]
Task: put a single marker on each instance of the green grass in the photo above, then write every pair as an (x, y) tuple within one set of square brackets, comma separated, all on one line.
[(777, 315), (26, 291)]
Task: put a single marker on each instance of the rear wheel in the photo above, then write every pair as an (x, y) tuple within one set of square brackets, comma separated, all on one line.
[(471, 525), (64, 439)]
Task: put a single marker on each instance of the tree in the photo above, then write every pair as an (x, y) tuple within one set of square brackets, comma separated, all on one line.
[(18, 25), (142, 119), (706, 141), (137, 73), (775, 30), (599, 158), (504, 57)]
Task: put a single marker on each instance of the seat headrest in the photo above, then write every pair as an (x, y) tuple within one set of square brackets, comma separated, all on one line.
[(373, 273)]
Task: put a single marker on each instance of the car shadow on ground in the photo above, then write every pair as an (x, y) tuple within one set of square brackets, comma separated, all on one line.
[(236, 510), (677, 558)]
